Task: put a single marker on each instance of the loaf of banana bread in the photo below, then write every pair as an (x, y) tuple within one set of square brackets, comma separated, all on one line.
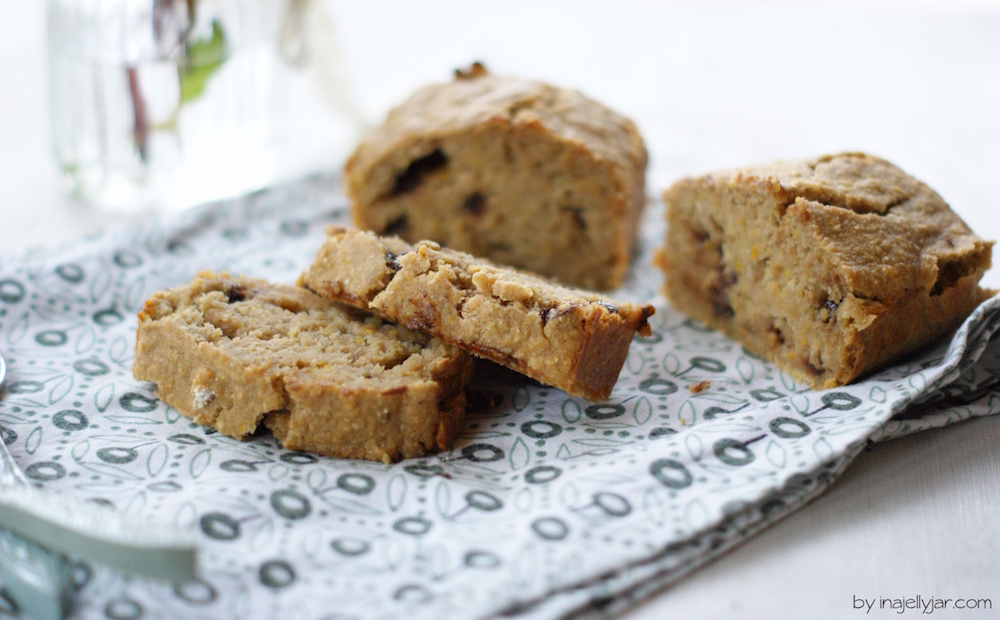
[(520, 172), (828, 267)]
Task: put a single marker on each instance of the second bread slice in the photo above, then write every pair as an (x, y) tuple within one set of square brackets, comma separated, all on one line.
[(232, 352), (573, 340)]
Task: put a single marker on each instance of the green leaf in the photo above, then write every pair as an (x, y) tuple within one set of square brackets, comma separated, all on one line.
[(202, 59)]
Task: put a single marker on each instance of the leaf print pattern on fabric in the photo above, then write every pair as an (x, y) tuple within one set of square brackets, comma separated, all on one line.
[(535, 513)]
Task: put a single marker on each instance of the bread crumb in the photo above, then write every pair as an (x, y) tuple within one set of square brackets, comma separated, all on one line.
[(701, 386)]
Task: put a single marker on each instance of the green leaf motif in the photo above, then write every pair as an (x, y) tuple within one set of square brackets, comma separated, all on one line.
[(86, 341), (61, 389), (157, 460), (80, 450), (687, 414), (100, 286), (800, 402), (786, 380), (316, 480), (520, 455), (114, 472), (120, 350), (723, 399), (18, 331), (34, 440), (643, 411), (569, 495), (172, 415), (200, 463), (442, 499), (347, 505), (776, 454), (635, 362), (203, 59), (277, 472), (136, 506), (104, 396), (571, 411), (396, 491), (823, 449), (134, 420), (135, 294), (599, 442)]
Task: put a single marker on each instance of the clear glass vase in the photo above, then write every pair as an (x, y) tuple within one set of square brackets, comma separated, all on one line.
[(162, 104)]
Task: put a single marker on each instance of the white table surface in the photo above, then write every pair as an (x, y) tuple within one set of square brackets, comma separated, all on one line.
[(712, 84)]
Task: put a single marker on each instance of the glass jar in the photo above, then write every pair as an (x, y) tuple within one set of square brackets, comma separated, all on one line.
[(162, 104)]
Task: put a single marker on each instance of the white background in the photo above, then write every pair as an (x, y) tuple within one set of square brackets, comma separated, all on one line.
[(710, 84)]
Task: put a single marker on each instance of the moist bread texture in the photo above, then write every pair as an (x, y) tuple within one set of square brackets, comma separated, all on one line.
[(829, 267), (231, 352), (567, 338), (520, 172)]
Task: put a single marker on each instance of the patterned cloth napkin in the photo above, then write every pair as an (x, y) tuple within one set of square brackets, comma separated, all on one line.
[(548, 506)]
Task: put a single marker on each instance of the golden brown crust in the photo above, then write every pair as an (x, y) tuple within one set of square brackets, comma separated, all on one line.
[(517, 171), (830, 267), (230, 352), (568, 338)]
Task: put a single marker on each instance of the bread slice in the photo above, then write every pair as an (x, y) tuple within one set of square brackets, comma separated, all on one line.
[(520, 172), (829, 267), (571, 339), (230, 352)]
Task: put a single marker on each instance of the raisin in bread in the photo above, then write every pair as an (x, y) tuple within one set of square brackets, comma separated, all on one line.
[(230, 352), (563, 337), (829, 267), (517, 171)]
